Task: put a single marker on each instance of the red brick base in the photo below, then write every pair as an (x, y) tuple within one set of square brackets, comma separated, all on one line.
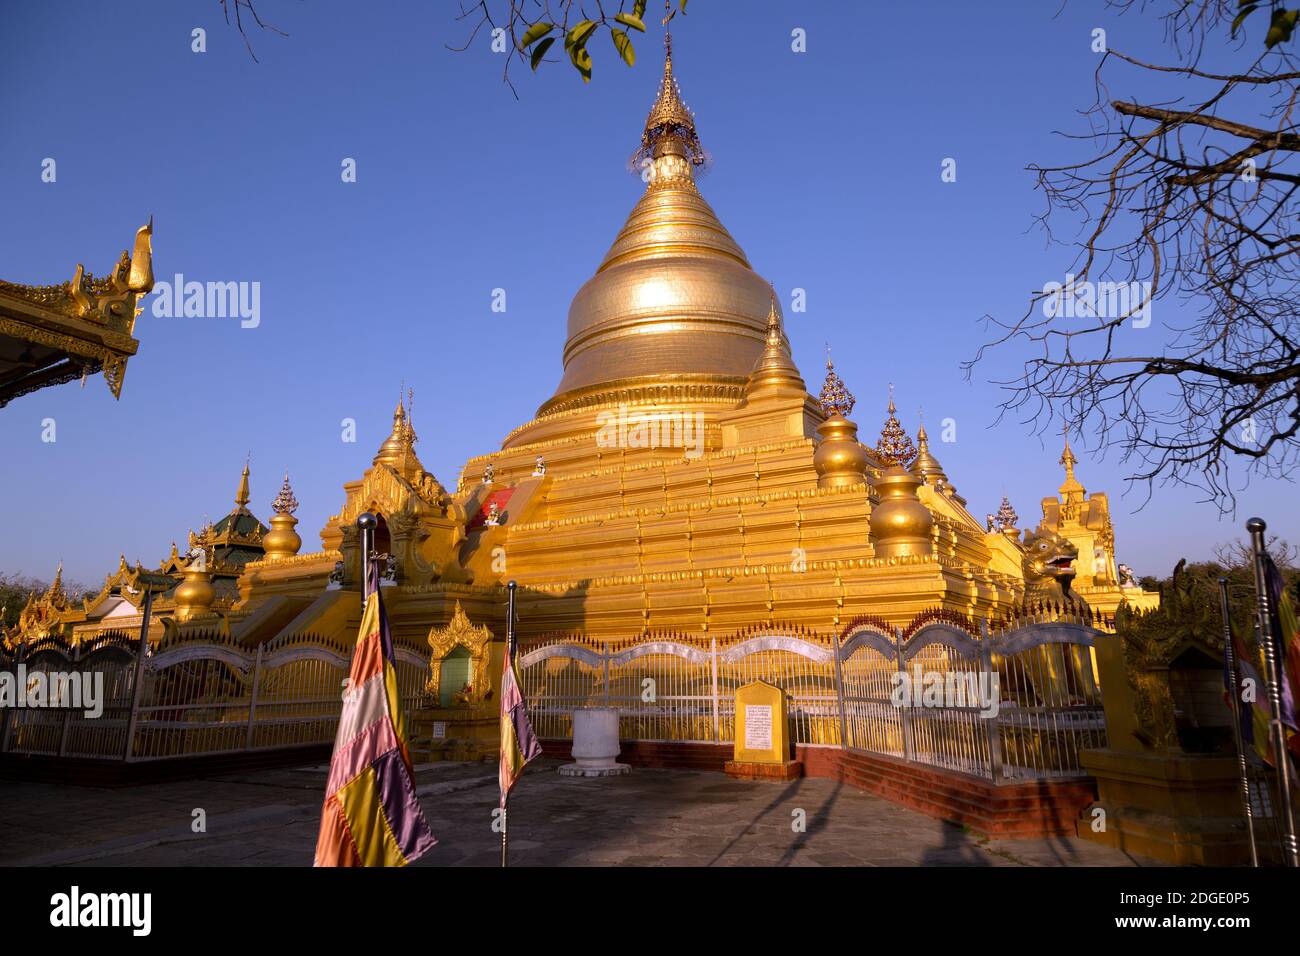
[(1012, 809), (749, 770)]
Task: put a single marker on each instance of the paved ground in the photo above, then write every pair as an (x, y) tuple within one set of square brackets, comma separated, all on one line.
[(651, 817)]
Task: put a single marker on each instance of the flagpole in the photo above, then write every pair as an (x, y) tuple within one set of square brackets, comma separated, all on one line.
[(366, 523), (510, 660), (1272, 674), (1234, 698)]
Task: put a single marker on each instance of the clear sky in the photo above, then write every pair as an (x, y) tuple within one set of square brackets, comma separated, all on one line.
[(826, 169)]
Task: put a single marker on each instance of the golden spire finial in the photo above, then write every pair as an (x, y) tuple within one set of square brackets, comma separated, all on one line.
[(670, 127), (775, 367), (1068, 460), (242, 496)]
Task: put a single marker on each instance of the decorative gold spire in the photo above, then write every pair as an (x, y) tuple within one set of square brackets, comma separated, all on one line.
[(775, 366), (397, 449), (242, 496), (835, 398), (894, 446), (670, 127), (926, 466), (1068, 461), (285, 503)]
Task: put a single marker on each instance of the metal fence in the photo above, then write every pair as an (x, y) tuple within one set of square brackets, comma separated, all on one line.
[(197, 698), (1041, 702), (209, 696)]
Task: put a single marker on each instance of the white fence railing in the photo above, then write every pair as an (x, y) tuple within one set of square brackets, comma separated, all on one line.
[(1042, 702), (198, 698)]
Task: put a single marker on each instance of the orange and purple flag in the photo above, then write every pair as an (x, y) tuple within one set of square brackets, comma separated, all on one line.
[(371, 815), (518, 742)]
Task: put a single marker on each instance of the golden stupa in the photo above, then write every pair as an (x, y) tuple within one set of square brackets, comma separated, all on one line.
[(680, 479)]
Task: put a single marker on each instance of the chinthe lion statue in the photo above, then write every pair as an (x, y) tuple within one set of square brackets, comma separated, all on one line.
[(1049, 568)]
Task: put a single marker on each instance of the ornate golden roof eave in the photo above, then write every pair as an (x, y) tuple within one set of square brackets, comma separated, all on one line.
[(83, 326)]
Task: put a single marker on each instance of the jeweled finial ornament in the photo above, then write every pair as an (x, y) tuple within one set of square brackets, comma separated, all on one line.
[(1006, 516), (895, 446), (285, 503), (835, 398)]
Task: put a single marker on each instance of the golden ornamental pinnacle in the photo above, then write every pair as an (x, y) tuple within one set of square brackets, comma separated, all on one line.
[(894, 446), (242, 497), (285, 503), (670, 127), (835, 398), (1067, 460)]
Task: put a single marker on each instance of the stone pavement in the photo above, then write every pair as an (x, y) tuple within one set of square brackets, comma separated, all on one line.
[(648, 818)]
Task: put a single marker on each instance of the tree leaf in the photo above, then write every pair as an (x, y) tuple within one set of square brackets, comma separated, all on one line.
[(629, 20), (577, 37), (1282, 27), (539, 51), (535, 33), (1244, 12), (581, 60), (624, 47)]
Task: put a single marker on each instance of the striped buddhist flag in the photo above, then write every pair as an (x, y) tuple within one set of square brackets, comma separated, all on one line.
[(1254, 714), (518, 742), (371, 815)]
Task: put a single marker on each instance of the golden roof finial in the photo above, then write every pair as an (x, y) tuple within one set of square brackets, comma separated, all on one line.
[(242, 496), (835, 398), (410, 417), (775, 366), (670, 127), (894, 446), (1071, 486), (1068, 460)]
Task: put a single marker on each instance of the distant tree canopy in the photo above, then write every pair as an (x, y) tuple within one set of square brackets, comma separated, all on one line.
[(1190, 198), (15, 589)]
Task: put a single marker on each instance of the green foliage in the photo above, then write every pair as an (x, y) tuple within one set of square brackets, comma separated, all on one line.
[(540, 36), (1281, 25)]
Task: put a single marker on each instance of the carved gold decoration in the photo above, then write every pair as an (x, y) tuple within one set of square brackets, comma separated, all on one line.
[(459, 632)]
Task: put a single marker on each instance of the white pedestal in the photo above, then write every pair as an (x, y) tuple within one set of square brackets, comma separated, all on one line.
[(595, 745)]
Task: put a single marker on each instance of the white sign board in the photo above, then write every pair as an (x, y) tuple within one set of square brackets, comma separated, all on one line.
[(439, 729), (758, 726)]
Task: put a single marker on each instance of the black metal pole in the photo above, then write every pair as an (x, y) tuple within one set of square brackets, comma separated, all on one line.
[(1234, 704), (138, 687), (366, 524), (510, 659), (1268, 639)]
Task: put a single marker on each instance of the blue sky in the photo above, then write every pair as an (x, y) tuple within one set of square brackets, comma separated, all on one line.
[(826, 170)]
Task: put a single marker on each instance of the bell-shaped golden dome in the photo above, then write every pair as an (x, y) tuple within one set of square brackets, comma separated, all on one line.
[(675, 300)]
